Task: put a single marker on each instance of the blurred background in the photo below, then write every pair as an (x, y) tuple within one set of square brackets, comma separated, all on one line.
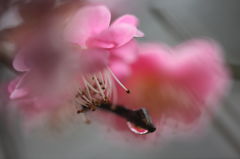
[(167, 21)]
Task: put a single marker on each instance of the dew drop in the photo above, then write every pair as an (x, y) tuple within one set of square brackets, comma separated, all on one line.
[(136, 129)]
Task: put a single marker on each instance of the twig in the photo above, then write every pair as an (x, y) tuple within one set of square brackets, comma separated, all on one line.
[(138, 117)]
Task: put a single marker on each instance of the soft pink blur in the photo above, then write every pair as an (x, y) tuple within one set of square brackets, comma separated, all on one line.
[(177, 83), (50, 74)]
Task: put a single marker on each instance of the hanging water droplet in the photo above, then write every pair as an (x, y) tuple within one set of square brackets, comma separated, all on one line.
[(136, 129)]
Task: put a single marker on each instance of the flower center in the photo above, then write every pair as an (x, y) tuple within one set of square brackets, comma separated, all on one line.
[(94, 90), (97, 89)]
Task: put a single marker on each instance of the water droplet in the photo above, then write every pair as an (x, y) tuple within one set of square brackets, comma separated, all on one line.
[(136, 129)]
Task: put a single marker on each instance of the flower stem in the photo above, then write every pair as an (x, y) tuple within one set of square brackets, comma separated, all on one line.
[(138, 117)]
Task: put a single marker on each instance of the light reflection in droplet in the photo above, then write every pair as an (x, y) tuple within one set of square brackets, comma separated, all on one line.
[(136, 129)]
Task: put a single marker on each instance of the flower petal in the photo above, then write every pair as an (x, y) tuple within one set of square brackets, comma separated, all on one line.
[(87, 22), (12, 84), (18, 93), (19, 63), (127, 19), (200, 68), (92, 60), (115, 36), (126, 53), (130, 20), (177, 83), (15, 89), (120, 69)]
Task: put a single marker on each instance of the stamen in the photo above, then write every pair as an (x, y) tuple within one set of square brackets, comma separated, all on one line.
[(88, 92), (79, 101), (94, 90), (117, 80), (86, 99), (108, 84), (99, 87), (102, 79)]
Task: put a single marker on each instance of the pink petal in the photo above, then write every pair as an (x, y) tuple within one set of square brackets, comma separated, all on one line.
[(130, 20), (87, 22), (127, 19), (96, 43), (93, 60), (126, 53), (158, 57), (177, 83), (15, 87), (18, 93), (139, 34), (120, 69), (115, 36), (201, 62), (12, 84), (19, 63)]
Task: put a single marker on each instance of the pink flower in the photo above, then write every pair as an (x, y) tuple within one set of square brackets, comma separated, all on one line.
[(90, 28), (74, 68), (171, 83), (177, 83), (50, 74)]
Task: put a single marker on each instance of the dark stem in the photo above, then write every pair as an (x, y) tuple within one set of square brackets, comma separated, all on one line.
[(139, 117)]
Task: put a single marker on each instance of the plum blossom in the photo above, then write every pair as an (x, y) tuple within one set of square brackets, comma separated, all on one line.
[(177, 83), (90, 28), (79, 70), (51, 67)]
